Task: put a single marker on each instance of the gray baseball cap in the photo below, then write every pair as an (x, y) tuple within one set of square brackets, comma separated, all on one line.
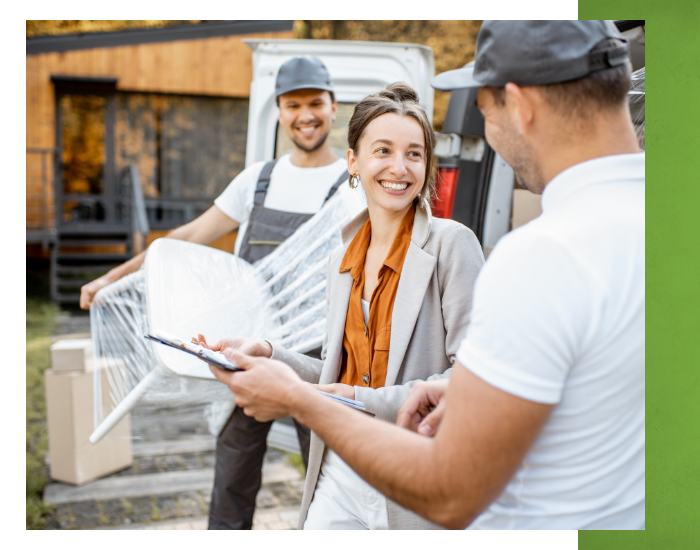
[(532, 53), (303, 72)]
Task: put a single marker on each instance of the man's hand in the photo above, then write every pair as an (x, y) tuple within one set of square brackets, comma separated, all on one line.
[(88, 291), (266, 390), (343, 390), (424, 407), (256, 348)]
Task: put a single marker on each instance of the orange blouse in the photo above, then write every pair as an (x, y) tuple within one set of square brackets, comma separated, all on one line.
[(366, 347)]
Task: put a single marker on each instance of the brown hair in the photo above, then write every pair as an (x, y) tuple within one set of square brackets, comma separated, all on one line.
[(398, 98), (602, 90)]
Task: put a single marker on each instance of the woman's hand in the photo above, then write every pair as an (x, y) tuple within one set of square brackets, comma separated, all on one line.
[(424, 407), (343, 390), (255, 348)]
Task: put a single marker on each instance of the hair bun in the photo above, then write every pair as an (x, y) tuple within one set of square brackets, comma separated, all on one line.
[(399, 91)]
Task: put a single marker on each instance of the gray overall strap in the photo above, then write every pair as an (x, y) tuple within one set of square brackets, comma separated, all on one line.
[(333, 189), (268, 228), (263, 183)]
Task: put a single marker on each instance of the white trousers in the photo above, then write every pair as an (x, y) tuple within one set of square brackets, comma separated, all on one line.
[(342, 500)]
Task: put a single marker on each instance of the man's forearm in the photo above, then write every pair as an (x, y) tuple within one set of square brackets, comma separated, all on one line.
[(182, 233), (450, 479), (399, 463), (204, 230), (126, 268)]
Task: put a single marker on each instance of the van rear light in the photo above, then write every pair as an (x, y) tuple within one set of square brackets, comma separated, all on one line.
[(446, 188)]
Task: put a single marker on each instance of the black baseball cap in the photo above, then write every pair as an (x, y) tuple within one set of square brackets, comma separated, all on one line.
[(533, 53), (303, 72)]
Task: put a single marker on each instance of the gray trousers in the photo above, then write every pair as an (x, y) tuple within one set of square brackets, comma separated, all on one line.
[(240, 449)]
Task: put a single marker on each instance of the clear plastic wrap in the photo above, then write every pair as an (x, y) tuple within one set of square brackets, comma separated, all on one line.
[(636, 102), (186, 289)]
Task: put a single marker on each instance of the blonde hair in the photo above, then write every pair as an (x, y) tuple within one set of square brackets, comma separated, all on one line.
[(401, 99)]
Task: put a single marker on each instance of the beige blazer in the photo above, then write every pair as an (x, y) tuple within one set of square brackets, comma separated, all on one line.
[(428, 323)]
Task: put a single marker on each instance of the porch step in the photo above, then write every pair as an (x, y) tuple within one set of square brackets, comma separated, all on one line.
[(92, 257), (83, 269), (155, 484), (91, 265), (66, 298), (74, 283), (96, 242), (130, 486), (159, 448)]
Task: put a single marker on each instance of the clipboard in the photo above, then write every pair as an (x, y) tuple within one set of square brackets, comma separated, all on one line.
[(218, 359), (215, 358)]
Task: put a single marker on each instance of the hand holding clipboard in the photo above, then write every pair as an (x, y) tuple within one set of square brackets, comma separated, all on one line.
[(218, 359), (215, 358)]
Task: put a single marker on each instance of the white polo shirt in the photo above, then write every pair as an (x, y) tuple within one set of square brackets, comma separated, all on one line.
[(558, 318)]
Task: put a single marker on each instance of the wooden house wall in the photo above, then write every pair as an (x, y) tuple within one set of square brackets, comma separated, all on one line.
[(220, 66)]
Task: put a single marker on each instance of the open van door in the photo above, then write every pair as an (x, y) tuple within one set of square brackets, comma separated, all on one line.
[(357, 69)]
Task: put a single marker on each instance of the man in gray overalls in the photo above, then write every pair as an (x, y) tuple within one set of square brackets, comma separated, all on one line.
[(272, 200), (267, 202)]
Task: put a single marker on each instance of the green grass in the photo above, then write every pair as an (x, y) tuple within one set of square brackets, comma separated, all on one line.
[(297, 462), (40, 314)]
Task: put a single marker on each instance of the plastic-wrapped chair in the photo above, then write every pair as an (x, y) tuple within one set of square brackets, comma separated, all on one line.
[(636, 100), (186, 289)]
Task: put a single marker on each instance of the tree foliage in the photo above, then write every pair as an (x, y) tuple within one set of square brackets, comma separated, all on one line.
[(453, 42), (37, 28)]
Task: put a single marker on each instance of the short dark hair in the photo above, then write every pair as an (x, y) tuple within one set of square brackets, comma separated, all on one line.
[(603, 89), (277, 99)]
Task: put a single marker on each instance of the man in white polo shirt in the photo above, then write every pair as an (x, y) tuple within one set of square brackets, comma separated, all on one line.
[(541, 425)]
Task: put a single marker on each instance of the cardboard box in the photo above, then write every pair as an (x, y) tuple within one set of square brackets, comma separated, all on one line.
[(71, 420), (72, 354), (526, 207)]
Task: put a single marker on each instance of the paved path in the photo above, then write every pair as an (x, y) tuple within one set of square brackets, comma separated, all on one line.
[(174, 496), (169, 484), (274, 519)]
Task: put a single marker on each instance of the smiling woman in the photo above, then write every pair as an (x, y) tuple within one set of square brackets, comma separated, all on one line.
[(398, 290)]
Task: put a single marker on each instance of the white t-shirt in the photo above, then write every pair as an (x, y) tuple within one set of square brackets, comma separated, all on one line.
[(365, 311), (291, 189), (558, 318)]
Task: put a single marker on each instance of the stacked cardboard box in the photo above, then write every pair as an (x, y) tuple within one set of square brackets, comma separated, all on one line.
[(71, 418)]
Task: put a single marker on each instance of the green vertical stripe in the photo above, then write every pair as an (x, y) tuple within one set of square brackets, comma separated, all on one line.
[(672, 275)]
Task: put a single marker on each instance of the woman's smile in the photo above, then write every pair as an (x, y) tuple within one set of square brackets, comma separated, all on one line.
[(394, 187)]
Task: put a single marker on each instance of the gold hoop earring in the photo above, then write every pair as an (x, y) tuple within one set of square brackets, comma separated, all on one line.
[(354, 181)]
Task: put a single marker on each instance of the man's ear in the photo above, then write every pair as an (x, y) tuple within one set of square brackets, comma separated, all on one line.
[(520, 107)]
